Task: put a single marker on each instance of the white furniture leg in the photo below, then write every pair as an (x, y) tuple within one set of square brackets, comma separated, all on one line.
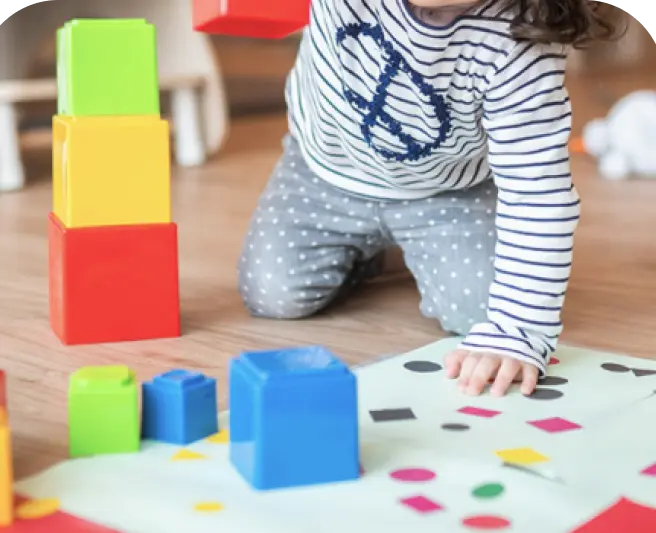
[(12, 175), (190, 149)]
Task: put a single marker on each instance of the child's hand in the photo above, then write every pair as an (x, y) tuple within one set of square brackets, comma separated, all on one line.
[(476, 370)]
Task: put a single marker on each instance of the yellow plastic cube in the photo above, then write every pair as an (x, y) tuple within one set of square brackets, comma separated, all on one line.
[(111, 170), (6, 478)]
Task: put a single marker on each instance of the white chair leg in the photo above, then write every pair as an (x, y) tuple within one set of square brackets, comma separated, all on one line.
[(190, 147), (12, 175)]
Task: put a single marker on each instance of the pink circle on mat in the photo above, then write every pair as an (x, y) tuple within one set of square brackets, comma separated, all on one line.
[(412, 474), (486, 522), (554, 361)]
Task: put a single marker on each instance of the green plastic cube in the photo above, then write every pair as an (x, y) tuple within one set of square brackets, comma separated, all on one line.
[(103, 411), (107, 67)]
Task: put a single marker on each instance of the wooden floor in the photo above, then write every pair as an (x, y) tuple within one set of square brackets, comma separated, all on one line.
[(611, 303)]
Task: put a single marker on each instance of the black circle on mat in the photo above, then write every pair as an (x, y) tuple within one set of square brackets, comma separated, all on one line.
[(553, 380), (455, 427), (422, 366), (614, 367), (545, 394)]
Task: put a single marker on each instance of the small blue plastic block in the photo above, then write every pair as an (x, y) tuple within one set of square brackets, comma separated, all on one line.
[(179, 407), (293, 418)]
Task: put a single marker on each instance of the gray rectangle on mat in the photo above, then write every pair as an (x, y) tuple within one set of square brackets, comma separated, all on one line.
[(392, 415)]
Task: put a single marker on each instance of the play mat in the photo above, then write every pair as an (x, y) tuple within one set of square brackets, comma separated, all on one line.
[(577, 456)]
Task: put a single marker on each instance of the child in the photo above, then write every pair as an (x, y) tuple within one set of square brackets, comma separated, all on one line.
[(439, 126)]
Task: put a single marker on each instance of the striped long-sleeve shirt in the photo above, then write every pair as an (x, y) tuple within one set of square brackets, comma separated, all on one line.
[(386, 106)]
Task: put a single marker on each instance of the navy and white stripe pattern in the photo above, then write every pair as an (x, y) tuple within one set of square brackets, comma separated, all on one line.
[(386, 106)]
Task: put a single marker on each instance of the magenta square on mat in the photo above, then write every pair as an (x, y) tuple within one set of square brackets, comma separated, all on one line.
[(649, 471), (477, 411), (554, 425), (421, 504)]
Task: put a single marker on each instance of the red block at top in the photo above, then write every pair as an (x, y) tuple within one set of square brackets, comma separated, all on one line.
[(265, 19), (113, 283)]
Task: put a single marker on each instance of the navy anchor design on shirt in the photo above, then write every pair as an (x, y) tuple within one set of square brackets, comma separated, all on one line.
[(374, 109)]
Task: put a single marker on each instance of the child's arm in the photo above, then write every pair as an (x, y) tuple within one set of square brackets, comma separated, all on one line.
[(527, 115)]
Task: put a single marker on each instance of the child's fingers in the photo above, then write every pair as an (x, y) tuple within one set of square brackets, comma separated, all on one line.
[(529, 379), (453, 362), (485, 370), (509, 370), (468, 366)]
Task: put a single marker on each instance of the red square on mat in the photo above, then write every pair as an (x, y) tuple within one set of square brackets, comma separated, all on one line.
[(57, 522), (113, 283), (623, 516)]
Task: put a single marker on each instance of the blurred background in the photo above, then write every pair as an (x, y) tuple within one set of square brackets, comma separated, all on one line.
[(245, 77)]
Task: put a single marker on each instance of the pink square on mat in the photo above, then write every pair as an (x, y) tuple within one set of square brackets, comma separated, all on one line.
[(554, 425), (476, 411), (421, 504), (649, 471)]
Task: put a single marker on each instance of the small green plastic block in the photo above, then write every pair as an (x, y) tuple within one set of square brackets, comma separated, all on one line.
[(103, 411), (107, 67)]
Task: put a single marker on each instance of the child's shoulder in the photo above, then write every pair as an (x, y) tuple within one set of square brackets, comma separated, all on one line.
[(487, 25), (501, 17), (495, 21), (489, 17)]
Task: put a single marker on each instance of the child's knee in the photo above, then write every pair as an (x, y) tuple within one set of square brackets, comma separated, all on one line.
[(268, 293), (276, 306)]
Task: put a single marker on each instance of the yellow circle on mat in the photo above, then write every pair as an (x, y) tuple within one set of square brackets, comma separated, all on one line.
[(37, 508), (208, 507)]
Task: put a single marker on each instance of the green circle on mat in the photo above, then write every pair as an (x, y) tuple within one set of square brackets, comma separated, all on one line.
[(489, 490)]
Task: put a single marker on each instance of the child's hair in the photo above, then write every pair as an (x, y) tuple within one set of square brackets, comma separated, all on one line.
[(568, 22)]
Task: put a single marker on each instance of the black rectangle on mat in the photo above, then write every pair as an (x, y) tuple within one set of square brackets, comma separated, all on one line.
[(392, 415)]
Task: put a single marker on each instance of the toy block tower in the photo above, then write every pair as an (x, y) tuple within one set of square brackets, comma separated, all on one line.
[(273, 19), (113, 247), (6, 465), (293, 418)]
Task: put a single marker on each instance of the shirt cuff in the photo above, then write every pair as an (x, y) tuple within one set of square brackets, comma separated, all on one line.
[(525, 346)]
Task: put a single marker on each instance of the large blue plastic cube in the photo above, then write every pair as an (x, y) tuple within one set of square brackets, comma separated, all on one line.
[(293, 418), (179, 407)]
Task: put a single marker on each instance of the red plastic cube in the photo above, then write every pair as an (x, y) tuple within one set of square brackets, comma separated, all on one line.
[(113, 283), (265, 19)]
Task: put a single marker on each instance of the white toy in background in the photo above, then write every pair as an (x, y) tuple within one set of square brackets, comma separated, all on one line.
[(625, 141)]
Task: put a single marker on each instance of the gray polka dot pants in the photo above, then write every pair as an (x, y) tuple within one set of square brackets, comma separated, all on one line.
[(309, 242)]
